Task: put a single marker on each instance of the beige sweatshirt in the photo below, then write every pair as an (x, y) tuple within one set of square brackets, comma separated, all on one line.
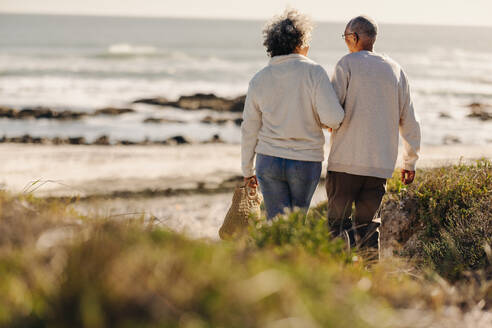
[(374, 91), (286, 104)]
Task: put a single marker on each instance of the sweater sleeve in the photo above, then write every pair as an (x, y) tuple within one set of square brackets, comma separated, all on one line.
[(249, 133), (340, 81), (326, 103), (409, 126)]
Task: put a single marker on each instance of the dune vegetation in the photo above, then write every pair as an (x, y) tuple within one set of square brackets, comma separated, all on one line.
[(59, 268)]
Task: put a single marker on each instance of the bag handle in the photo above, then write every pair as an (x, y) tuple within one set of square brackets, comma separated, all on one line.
[(251, 193)]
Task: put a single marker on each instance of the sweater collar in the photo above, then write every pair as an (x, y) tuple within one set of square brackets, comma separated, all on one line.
[(285, 58)]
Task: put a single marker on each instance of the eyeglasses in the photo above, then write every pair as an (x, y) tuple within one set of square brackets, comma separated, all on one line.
[(347, 34)]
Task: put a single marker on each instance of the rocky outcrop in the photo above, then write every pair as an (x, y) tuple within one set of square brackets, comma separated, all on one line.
[(7, 112), (155, 120), (221, 120), (77, 141), (113, 111), (194, 102), (159, 101), (206, 101), (480, 111), (25, 139), (400, 227), (238, 104), (178, 140), (214, 140), (48, 113), (38, 113), (214, 120), (199, 101), (103, 140)]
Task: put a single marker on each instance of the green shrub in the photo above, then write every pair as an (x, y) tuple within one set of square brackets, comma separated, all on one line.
[(130, 273), (298, 230), (454, 206), (113, 273)]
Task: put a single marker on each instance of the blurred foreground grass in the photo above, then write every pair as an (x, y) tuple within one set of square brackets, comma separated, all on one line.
[(61, 269)]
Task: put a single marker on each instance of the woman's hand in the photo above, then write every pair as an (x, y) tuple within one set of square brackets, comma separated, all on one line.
[(252, 182), (326, 127)]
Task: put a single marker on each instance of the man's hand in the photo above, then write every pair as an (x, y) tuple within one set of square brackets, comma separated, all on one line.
[(407, 176), (252, 182)]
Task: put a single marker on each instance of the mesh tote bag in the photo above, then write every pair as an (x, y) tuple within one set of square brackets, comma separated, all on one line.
[(245, 207)]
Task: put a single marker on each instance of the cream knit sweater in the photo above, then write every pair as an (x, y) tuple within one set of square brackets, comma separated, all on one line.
[(286, 104), (374, 91)]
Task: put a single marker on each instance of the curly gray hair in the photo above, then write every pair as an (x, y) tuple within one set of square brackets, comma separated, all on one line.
[(284, 33)]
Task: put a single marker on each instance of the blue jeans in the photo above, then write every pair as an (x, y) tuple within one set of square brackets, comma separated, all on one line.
[(286, 183)]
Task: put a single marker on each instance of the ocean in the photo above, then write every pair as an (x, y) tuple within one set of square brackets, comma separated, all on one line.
[(84, 63)]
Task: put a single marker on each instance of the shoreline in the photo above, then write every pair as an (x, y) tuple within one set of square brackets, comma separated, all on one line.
[(152, 171)]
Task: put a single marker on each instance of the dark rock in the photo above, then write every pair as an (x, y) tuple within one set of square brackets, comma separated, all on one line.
[(25, 113), (102, 140), (161, 120), (179, 140), (8, 112), (238, 121), (26, 139), (38, 140), (69, 115), (199, 101), (204, 101), (38, 113), (160, 101), (450, 140), (164, 142), (216, 139), (113, 111), (212, 120), (15, 139), (152, 120), (238, 104), (207, 120), (126, 142), (42, 112), (480, 111), (444, 115), (58, 141), (77, 141)]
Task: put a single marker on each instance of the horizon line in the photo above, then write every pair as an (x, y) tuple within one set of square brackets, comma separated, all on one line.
[(255, 19)]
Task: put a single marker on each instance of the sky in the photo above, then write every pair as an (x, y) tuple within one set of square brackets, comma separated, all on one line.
[(441, 12)]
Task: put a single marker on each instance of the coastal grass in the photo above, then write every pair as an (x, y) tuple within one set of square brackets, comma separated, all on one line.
[(452, 216), (62, 269)]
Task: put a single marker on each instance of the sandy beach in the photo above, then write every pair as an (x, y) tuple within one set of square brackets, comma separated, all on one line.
[(187, 188)]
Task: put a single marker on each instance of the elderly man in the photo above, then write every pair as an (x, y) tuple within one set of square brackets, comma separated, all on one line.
[(374, 91)]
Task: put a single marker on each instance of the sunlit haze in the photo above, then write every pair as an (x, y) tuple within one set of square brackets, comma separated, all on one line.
[(442, 12)]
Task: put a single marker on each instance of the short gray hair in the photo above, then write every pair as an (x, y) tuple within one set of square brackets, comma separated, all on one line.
[(364, 25), (284, 33)]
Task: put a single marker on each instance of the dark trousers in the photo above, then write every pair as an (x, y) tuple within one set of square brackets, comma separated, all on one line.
[(343, 190)]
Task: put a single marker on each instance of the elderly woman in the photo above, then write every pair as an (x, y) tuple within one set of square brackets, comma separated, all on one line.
[(287, 105)]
